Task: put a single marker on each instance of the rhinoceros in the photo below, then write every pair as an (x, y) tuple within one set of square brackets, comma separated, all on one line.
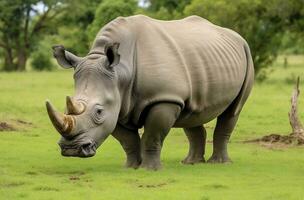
[(146, 73)]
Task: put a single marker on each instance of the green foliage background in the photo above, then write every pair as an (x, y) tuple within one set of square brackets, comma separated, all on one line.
[(271, 27)]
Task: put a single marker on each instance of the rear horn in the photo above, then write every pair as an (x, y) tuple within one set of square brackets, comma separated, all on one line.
[(74, 107)]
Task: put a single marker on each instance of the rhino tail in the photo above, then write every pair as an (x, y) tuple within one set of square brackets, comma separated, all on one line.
[(240, 100)]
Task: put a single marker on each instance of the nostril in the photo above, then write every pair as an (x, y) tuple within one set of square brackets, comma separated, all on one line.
[(87, 150), (86, 145)]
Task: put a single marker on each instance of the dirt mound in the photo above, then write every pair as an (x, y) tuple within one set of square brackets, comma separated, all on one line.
[(23, 122), (279, 140), (4, 126), (14, 125)]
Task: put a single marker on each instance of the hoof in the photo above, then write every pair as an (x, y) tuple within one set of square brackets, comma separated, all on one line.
[(219, 159), (132, 164), (191, 160), (133, 161), (154, 166)]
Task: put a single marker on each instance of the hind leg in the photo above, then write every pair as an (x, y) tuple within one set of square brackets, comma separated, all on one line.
[(224, 127), (197, 141)]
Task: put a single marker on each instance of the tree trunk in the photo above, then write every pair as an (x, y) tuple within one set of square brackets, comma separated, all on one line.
[(9, 64), (23, 49), (296, 125), (22, 58)]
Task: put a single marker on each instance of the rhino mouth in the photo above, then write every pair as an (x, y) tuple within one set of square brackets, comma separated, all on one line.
[(83, 149)]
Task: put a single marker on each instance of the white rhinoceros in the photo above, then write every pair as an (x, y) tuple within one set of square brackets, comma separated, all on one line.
[(142, 72)]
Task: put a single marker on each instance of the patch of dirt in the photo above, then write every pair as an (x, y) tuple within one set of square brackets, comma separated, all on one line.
[(45, 188), (74, 178), (152, 185), (11, 184), (217, 186), (4, 126), (14, 125), (31, 173), (23, 122), (53, 171), (277, 140)]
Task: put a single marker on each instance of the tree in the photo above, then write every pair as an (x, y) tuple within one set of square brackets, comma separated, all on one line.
[(170, 5), (21, 22), (261, 22), (109, 10), (165, 9), (71, 26)]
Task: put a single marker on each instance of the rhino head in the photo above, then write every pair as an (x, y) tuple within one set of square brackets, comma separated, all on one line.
[(92, 113)]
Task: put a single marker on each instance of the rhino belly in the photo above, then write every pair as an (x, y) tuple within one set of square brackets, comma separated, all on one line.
[(193, 119)]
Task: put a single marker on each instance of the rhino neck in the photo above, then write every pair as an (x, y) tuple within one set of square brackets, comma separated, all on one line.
[(127, 78), (121, 31)]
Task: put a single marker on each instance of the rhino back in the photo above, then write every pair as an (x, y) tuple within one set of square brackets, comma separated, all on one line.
[(190, 62)]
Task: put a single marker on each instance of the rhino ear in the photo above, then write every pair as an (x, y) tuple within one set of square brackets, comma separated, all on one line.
[(111, 51), (64, 58)]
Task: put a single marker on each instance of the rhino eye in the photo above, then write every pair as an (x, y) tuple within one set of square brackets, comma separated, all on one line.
[(98, 114), (99, 111)]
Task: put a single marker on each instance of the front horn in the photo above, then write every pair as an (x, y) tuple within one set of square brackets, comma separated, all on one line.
[(64, 124), (73, 107)]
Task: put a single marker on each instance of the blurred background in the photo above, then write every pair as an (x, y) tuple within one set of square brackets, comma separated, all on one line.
[(28, 28), (30, 163)]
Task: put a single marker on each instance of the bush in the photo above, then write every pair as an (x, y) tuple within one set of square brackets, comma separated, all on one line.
[(109, 10), (41, 60), (261, 22)]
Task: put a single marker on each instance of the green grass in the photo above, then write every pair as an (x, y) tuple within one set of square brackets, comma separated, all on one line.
[(31, 166)]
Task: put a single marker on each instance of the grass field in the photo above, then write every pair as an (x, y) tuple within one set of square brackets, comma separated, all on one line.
[(31, 166)]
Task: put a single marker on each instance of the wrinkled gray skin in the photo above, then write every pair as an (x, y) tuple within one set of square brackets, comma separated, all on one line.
[(142, 72)]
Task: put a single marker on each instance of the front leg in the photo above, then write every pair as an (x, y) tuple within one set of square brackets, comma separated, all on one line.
[(161, 117), (130, 141)]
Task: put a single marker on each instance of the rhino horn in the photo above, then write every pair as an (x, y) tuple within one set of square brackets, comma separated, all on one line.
[(64, 124), (73, 107)]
